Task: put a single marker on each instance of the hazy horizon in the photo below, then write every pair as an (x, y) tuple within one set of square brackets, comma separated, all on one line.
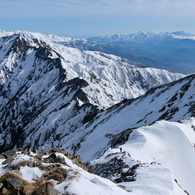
[(92, 36)]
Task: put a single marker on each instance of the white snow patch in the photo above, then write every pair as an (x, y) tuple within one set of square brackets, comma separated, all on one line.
[(30, 173)]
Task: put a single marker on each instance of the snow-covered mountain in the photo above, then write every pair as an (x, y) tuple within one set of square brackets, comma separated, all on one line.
[(171, 102), (42, 84), (170, 51), (110, 78), (57, 96)]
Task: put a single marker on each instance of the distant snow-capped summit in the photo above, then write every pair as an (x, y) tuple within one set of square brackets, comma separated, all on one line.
[(141, 36)]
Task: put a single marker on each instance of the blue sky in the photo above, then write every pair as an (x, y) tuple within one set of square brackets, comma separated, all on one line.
[(85, 18)]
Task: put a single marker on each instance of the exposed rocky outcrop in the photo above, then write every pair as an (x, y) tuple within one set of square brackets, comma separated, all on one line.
[(52, 164), (115, 168)]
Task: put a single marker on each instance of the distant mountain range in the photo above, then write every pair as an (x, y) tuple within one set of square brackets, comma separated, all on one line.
[(171, 51), (141, 36)]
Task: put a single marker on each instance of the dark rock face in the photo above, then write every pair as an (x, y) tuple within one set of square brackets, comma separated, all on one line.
[(55, 159), (8, 156), (20, 44), (58, 174), (82, 96), (120, 138), (46, 189), (9, 153), (118, 180), (8, 160), (115, 167), (10, 184), (17, 186), (13, 183)]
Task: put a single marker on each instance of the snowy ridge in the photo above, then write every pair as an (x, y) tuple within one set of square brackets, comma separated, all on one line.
[(154, 157), (35, 35), (171, 102), (162, 145)]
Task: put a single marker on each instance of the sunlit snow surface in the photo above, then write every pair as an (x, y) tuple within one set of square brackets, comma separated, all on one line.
[(166, 143), (166, 153)]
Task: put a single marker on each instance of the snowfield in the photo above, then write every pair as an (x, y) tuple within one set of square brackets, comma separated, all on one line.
[(166, 165), (161, 143)]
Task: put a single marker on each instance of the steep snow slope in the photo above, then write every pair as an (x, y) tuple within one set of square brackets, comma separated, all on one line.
[(159, 159), (111, 78), (172, 102), (36, 94), (162, 143)]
